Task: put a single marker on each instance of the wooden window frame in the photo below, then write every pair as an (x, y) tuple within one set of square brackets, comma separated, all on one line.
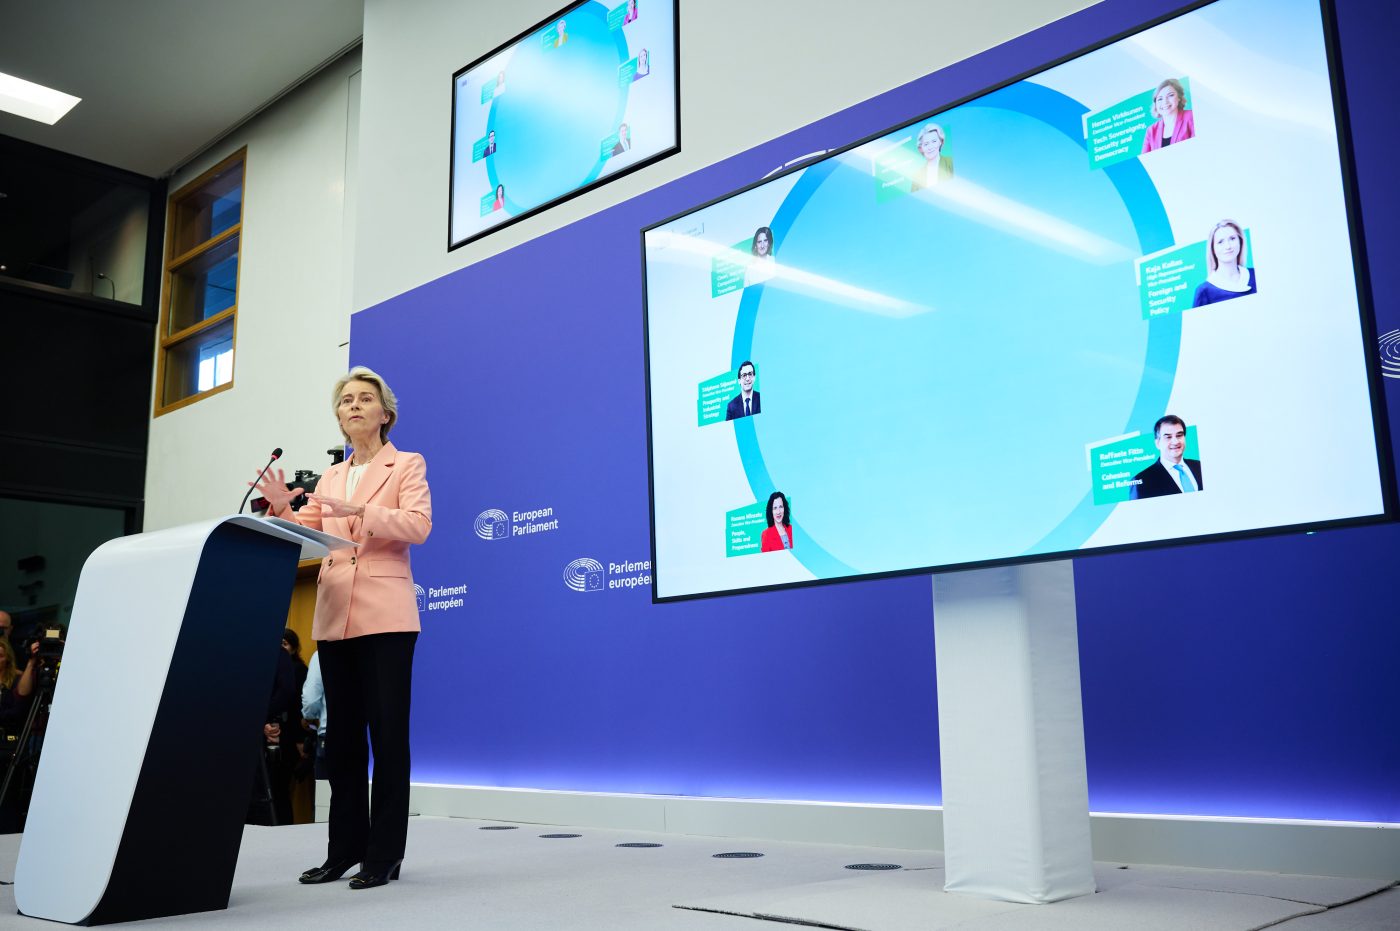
[(168, 342)]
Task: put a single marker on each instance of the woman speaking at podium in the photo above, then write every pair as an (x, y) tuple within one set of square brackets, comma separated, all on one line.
[(365, 626)]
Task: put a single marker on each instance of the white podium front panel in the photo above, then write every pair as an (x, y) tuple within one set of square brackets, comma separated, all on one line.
[(161, 687)]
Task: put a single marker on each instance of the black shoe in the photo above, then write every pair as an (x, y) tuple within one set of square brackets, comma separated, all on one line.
[(377, 874), (327, 872)]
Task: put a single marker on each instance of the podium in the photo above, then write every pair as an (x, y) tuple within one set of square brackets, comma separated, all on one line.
[(148, 762)]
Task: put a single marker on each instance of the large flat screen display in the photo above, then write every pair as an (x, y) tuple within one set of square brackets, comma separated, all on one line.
[(1111, 304), (585, 96)]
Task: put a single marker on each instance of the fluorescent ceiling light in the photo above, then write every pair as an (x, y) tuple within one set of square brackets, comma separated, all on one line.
[(34, 101)]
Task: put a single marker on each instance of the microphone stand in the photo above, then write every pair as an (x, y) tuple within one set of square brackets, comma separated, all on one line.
[(276, 454)]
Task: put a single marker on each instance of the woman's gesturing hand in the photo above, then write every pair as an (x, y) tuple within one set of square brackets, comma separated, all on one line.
[(273, 487), (337, 507)]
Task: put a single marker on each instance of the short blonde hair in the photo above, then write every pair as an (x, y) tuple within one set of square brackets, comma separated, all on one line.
[(386, 397), (932, 129)]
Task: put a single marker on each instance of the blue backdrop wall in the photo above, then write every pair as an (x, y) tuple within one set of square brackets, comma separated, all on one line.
[(1252, 678)]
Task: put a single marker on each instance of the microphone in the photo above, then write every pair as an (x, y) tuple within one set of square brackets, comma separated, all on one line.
[(276, 454)]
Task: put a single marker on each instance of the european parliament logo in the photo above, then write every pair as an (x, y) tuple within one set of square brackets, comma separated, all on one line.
[(585, 575), (422, 597), (1390, 354), (492, 524)]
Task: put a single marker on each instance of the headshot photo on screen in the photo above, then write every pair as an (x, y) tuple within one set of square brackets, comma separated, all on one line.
[(560, 33), (631, 12), (1172, 473), (500, 84), (500, 197), (643, 65), (490, 144), (937, 166), (778, 536), (624, 139), (1228, 277), (745, 403), (1175, 120), (761, 266)]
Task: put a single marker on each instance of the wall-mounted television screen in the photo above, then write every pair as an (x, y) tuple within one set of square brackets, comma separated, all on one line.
[(1117, 302), (583, 97)]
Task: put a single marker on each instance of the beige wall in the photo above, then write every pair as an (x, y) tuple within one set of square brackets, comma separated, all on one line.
[(293, 312)]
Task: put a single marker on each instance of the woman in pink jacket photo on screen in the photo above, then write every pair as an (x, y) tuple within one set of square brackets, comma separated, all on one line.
[(1176, 122)]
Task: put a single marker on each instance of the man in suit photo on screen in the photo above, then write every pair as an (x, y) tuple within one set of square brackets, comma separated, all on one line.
[(745, 403), (624, 139), (1171, 474)]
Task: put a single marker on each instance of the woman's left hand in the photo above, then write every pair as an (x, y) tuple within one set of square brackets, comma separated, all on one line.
[(337, 507)]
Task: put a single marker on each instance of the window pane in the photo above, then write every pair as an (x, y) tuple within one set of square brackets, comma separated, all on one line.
[(204, 286), (215, 364), (209, 211), (199, 363)]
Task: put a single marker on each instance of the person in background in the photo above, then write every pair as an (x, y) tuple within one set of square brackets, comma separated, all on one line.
[(282, 735), (291, 643), (313, 713), (16, 685)]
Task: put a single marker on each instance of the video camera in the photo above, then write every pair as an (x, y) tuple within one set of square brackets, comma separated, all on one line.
[(50, 640), (305, 479)]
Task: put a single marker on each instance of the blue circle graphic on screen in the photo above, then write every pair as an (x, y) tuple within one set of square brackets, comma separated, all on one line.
[(559, 107), (923, 393)]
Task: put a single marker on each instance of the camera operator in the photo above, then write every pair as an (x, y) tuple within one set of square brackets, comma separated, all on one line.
[(16, 685), (16, 693)]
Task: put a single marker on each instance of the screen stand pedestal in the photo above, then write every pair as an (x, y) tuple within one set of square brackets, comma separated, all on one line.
[(1011, 734)]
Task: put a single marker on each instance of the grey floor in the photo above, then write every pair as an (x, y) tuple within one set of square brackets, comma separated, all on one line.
[(459, 875)]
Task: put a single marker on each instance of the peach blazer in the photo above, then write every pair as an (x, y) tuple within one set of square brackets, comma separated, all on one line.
[(370, 590)]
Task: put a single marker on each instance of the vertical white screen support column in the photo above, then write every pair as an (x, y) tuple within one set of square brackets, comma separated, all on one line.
[(1011, 734)]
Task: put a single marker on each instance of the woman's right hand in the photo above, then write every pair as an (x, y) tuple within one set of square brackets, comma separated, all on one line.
[(273, 487)]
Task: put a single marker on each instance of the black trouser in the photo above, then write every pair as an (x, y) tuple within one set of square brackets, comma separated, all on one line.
[(368, 683)]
